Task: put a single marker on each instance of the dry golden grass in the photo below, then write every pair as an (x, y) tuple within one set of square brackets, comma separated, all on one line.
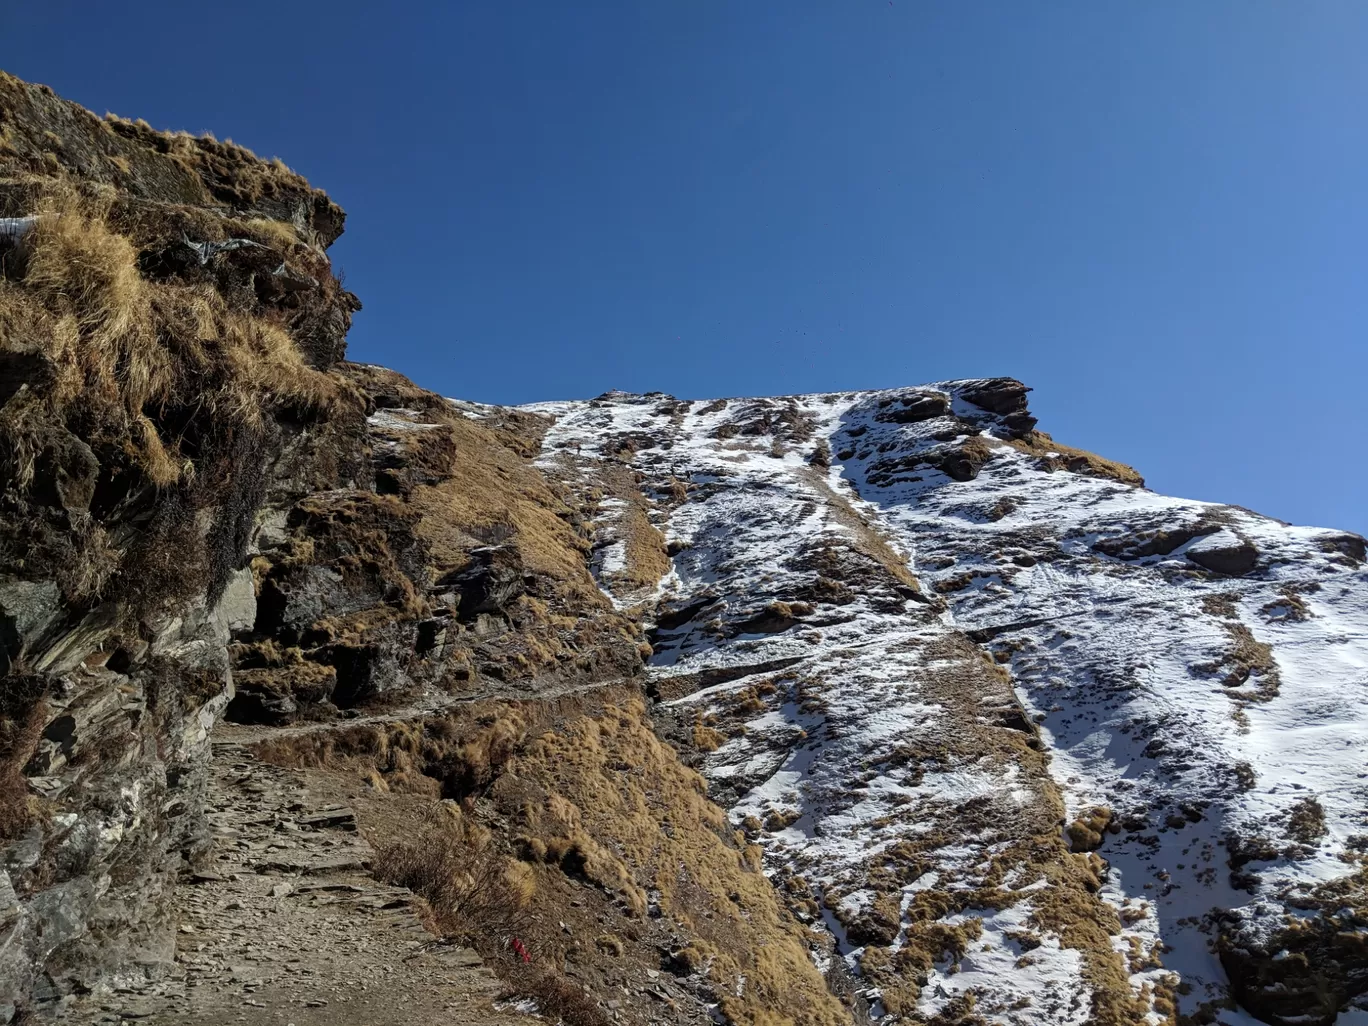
[(468, 884), (866, 539), (645, 557), (230, 172), (281, 233), (750, 934), (1085, 833), (124, 346), (1222, 605), (707, 739), (1306, 821), (483, 898), (586, 789), (1244, 659), (494, 494), (1055, 456)]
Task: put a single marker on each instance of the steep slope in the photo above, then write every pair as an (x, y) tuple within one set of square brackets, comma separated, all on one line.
[(1027, 738), (986, 731), (205, 514)]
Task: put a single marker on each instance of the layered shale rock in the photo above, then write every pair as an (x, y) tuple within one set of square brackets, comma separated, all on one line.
[(167, 321)]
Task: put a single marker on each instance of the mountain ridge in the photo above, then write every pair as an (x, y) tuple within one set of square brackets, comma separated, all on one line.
[(849, 707), (911, 448)]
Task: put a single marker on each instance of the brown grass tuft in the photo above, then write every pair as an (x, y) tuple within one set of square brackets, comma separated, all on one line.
[(1053, 456), (125, 347), (21, 724)]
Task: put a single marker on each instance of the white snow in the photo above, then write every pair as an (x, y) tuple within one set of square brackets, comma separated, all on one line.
[(1125, 660)]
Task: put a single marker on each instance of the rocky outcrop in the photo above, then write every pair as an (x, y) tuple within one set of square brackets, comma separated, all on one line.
[(1224, 553), (167, 318), (1005, 397), (1302, 971)]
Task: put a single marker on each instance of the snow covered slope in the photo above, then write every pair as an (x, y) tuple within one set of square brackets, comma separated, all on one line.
[(1027, 741)]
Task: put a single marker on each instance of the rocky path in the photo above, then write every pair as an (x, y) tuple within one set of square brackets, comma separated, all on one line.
[(284, 923), (430, 701)]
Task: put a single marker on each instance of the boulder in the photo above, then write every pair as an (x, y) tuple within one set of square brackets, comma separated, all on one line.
[(275, 695), (1005, 397), (916, 407), (237, 605), (364, 672), (493, 578), (963, 462), (1159, 541), (294, 598), (996, 395), (26, 608), (1352, 545), (1224, 553), (1287, 973)]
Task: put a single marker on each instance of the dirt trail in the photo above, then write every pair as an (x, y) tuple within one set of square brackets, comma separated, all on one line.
[(285, 924), (429, 702)]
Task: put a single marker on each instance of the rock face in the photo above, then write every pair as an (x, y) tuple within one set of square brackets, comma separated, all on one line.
[(1224, 553), (149, 388)]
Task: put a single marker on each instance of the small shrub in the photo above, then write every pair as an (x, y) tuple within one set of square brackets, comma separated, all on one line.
[(707, 739), (610, 944), (473, 891), (1306, 821), (558, 998)]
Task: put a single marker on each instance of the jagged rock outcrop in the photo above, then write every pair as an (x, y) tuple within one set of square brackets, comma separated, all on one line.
[(167, 318)]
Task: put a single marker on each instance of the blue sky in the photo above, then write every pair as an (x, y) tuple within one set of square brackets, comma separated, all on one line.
[(1154, 213)]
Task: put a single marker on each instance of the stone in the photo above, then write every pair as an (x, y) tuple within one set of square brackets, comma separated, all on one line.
[(911, 409), (1288, 976), (237, 605), (492, 579), (1352, 545), (341, 818), (1224, 553), (296, 598), (1005, 397), (9, 900), (68, 648), (26, 609), (963, 462), (337, 864), (364, 672)]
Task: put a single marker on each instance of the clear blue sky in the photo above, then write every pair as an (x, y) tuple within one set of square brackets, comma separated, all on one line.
[(1155, 213)]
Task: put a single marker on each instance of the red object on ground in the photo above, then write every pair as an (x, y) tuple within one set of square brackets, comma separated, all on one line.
[(522, 951)]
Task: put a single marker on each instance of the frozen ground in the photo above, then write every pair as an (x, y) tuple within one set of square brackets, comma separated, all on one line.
[(903, 629)]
